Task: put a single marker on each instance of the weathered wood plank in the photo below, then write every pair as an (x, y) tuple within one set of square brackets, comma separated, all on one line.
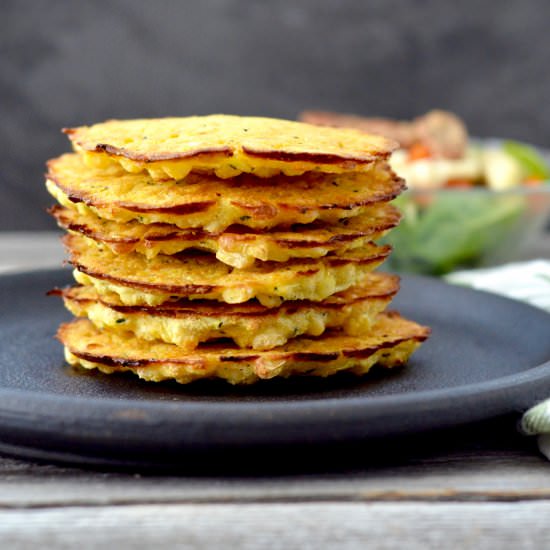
[(305, 526), (496, 480), (487, 462)]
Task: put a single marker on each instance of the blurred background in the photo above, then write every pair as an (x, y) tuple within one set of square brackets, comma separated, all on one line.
[(70, 63)]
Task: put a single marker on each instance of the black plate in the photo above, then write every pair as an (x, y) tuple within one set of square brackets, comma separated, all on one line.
[(487, 356)]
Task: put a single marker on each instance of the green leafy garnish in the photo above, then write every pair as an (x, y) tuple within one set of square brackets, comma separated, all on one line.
[(440, 233), (534, 164)]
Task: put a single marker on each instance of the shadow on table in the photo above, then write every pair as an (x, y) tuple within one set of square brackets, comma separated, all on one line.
[(488, 441)]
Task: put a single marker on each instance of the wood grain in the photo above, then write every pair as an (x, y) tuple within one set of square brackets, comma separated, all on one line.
[(290, 525), (507, 476)]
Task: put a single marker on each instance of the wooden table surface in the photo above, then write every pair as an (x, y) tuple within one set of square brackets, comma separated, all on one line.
[(480, 486)]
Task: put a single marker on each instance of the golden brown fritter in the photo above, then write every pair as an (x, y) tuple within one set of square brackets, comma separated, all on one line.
[(226, 145), (137, 280), (249, 325), (205, 201), (389, 343), (238, 245)]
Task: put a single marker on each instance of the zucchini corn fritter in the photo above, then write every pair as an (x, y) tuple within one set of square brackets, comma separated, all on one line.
[(240, 248)]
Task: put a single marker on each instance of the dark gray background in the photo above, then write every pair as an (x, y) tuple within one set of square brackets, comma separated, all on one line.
[(70, 63)]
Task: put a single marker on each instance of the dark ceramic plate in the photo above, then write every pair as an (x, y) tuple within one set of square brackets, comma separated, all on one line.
[(487, 356)]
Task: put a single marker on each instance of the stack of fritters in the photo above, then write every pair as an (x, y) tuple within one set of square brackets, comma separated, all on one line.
[(232, 247)]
